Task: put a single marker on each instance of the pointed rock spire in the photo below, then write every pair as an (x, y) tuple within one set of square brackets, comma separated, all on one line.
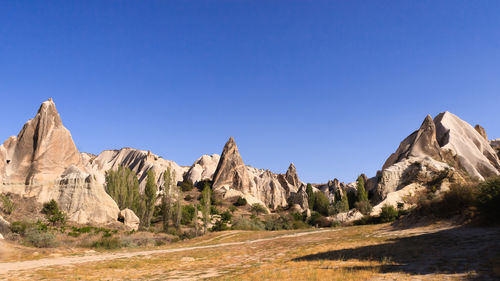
[(42, 150), (481, 131), (231, 171), (291, 176), (420, 143)]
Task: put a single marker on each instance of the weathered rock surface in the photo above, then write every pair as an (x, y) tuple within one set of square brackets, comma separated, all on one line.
[(83, 199), (473, 153), (4, 225), (139, 161), (129, 219), (43, 162), (495, 144), (41, 151), (203, 168), (442, 150), (421, 143), (481, 131), (273, 190)]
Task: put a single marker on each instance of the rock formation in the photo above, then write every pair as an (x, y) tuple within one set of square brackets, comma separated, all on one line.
[(41, 151), (139, 161), (495, 144), (129, 219), (443, 150), (43, 161), (481, 131), (233, 178), (203, 168)]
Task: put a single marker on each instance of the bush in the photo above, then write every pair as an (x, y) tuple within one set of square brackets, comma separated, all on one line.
[(107, 243), (53, 214), (219, 226), (258, 209), (280, 222), (213, 210), (232, 208), (188, 198), (364, 207), (243, 223), (317, 219), (296, 224), (488, 199), (39, 238), (187, 185), (240, 202), (299, 216), (188, 213), (226, 216), (7, 205), (388, 214), (321, 203)]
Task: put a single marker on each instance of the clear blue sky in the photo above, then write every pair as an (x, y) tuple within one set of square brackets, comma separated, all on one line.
[(333, 86)]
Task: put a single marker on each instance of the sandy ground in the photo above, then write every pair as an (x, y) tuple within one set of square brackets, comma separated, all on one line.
[(46, 262), (375, 252)]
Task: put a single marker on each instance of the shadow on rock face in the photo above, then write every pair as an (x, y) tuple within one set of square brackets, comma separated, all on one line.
[(454, 251)]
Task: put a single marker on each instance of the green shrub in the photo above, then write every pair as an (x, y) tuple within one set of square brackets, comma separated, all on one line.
[(388, 214), (317, 219), (7, 205), (321, 203), (18, 227), (107, 243), (226, 216), (296, 224), (188, 198), (187, 185), (240, 202), (299, 217), (364, 207), (214, 210), (488, 199), (53, 214), (36, 234), (258, 209), (280, 222), (232, 209), (219, 226), (243, 223), (188, 213)]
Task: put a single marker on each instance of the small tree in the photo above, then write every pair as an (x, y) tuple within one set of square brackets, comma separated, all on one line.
[(310, 196), (195, 220), (178, 213), (169, 183), (53, 214), (362, 194), (321, 203), (150, 198), (205, 207), (123, 186)]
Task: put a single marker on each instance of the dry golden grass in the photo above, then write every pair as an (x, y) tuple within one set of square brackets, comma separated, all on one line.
[(373, 252)]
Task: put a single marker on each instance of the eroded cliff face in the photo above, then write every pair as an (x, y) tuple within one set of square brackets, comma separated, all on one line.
[(233, 178), (43, 161), (41, 151), (442, 151), (139, 161)]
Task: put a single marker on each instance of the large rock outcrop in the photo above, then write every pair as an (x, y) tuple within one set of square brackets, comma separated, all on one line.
[(41, 151), (43, 162), (446, 149), (471, 150), (495, 144), (139, 161), (203, 168), (273, 190)]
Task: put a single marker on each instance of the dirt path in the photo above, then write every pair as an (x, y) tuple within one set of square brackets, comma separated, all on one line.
[(47, 262)]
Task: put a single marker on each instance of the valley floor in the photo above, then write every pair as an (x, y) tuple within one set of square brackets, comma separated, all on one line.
[(373, 252)]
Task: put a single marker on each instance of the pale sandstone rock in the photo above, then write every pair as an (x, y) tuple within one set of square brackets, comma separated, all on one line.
[(495, 144), (481, 131), (271, 189), (41, 151), (203, 168), (347, 217), (129, 219), (43, 162), (4, 225), (399, 196), (472, 151), (139, 161)]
